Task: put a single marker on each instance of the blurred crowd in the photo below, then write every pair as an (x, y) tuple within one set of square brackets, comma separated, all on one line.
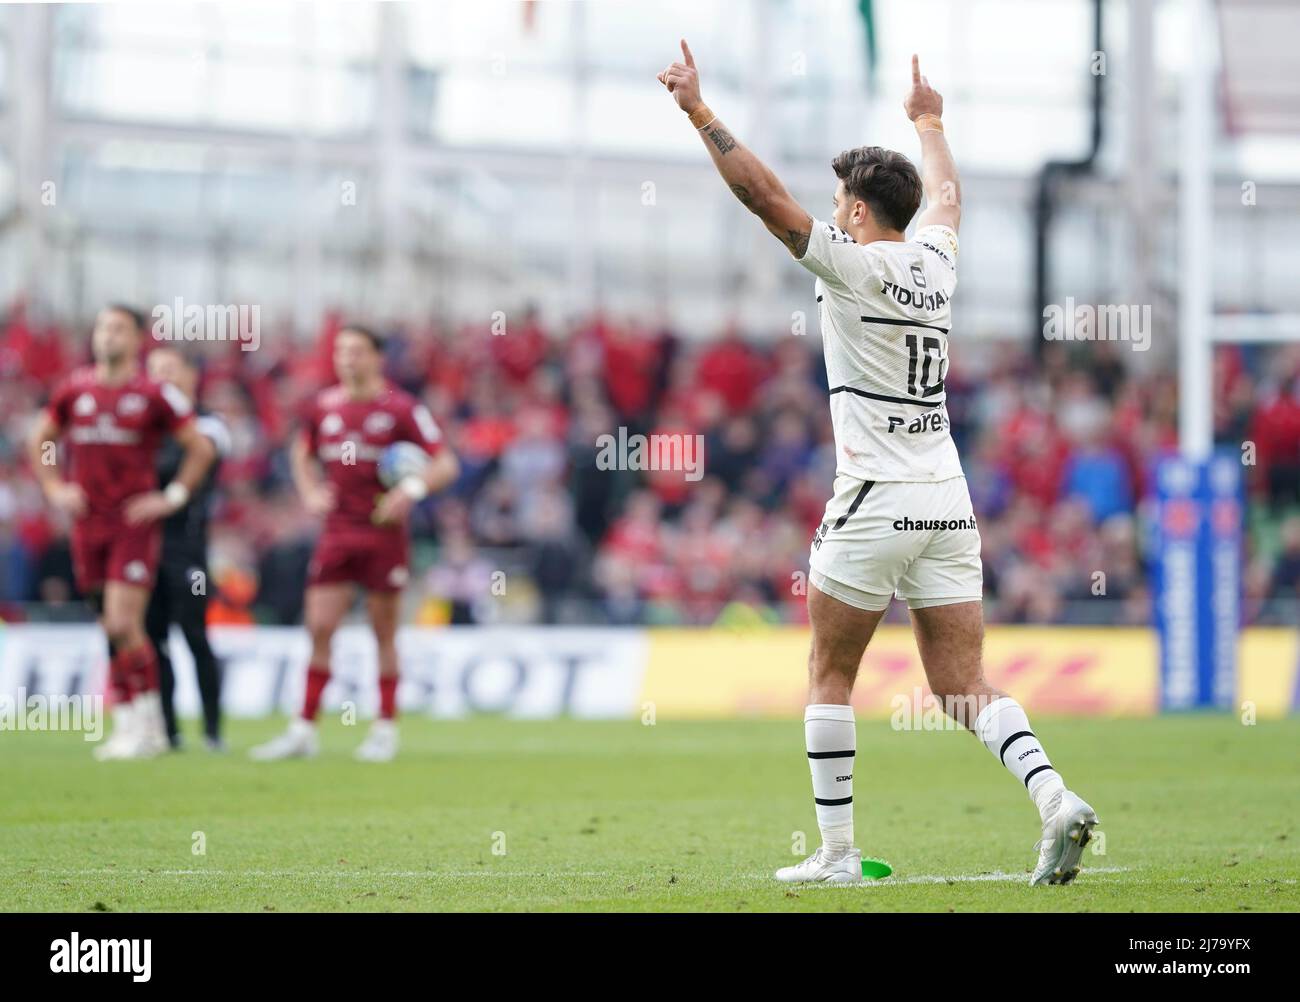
[(1058, 448)]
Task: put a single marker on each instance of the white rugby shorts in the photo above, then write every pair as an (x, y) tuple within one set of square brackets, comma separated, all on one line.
[(881, 539)]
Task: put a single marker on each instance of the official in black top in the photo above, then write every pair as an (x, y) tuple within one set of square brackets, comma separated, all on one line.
[(180, 594)]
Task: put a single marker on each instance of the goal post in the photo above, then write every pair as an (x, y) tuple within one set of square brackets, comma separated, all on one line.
[(1200, 497)]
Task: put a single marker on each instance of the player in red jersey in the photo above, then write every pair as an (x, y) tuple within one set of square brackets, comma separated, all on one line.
[(112, 419), (365, 540)]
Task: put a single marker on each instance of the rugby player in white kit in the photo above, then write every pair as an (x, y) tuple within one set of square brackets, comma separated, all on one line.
[(900, 523)]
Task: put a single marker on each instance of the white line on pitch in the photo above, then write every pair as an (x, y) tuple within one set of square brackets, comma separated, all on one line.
[(766, 877), (324, 872), (975, 878), (927, 878)]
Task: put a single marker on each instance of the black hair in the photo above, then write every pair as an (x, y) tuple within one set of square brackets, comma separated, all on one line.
[(377, 340), (140, 320), (887, 181)]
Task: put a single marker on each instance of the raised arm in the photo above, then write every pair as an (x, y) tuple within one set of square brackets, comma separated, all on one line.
[(750, 180), (924, 106)]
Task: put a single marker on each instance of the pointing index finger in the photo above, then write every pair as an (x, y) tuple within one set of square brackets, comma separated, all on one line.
[(686, 51), (916, 70)]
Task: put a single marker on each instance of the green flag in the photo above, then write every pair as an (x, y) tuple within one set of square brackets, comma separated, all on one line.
[(866, 8)]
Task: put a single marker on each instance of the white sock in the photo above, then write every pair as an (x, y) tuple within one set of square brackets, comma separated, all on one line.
[(832, 744), (146, 713), (1004, 729)]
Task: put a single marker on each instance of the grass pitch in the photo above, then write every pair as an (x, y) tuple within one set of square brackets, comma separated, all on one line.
[(1198, 814)]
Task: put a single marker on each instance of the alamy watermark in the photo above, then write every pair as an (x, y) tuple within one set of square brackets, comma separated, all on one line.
[(1108, 322), (21, 712), (91, 955), (924, 711), (651, 452), (179, 321)]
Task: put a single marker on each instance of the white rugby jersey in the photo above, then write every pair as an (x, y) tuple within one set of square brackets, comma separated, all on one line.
[(885, 316)]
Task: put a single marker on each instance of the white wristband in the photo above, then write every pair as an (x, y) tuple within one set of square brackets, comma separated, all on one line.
[(177, 494), (414, 488)]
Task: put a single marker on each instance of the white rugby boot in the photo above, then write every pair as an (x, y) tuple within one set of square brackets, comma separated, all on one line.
[(1068, 822), (380, 744), (122, 741), (299, 741), (819, 869)]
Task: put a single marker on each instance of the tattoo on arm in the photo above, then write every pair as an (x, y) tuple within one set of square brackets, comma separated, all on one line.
[(770, 203), (722, 139), (797, 240)]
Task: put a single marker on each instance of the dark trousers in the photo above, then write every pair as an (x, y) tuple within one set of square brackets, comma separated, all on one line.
[(174, 600)]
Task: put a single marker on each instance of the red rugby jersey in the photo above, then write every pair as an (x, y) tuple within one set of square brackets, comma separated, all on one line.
[(348, 436), (112, 433)]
